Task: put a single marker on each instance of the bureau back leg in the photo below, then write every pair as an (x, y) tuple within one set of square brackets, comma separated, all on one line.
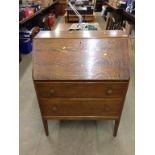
[(116, 127), (45, 123)]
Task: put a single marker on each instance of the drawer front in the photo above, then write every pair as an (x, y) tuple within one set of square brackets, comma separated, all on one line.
[(81, 107), (89, 18), (80, 90)]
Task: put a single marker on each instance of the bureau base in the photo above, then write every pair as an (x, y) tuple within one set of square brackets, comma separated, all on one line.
[(45, 121)]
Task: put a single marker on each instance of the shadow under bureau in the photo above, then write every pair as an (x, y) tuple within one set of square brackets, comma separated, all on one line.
[(81, 75)]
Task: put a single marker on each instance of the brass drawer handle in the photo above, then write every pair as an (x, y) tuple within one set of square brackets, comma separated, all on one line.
[(107, 108), (109, 91), (52, 91), (54, 108)]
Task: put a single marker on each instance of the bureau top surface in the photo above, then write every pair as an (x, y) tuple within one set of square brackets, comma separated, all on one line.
[(81, 56)]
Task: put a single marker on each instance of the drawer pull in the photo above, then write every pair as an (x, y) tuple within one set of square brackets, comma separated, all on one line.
[(107, 108), (54, 108), (109, 91), (52, 91)]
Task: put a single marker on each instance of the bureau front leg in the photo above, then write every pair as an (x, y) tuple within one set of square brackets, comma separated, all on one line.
[(45, 124), (116, 127)]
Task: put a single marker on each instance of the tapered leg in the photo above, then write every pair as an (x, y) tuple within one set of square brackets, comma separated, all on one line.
[(45, 123), (116, 127)]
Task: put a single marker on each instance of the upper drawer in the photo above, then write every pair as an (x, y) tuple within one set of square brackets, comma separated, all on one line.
[(81, 89)]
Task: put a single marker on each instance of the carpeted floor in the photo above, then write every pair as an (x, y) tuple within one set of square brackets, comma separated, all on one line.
[(72, 137)]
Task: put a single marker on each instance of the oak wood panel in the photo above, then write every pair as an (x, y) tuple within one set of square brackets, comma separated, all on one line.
[(81, 34), (81, 59), (74, 71), (81, 89), (81, 118), (74, 18), (81, 107)]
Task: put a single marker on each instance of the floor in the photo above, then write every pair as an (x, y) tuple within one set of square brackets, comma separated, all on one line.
[(72, 137)]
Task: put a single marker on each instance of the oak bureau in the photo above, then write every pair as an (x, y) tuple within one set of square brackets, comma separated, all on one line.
[(81, 75)]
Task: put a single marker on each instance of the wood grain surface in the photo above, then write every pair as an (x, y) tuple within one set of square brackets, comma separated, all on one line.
[(81, 75), (80, 58), (81, 34), (81, 89), (81, 107)]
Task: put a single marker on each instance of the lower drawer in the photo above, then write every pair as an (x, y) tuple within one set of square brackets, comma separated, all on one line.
[(81, 107)]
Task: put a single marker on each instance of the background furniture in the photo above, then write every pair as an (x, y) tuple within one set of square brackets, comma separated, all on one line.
[(33, 19), (83, 8), (81, 75), (65, 27), (46, 3), (114, 21), (74, 18), (98, 5), (118, 18), (86, 12), (127, 15), (61, 7), (34, 31)]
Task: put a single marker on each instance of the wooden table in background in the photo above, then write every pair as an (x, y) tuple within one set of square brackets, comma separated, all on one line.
[(74, 18), (81, 75)]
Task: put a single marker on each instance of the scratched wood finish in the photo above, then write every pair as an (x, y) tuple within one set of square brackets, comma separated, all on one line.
[(81, 75), (81, 107), (81, 34), (81, 89), (81, 59)]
